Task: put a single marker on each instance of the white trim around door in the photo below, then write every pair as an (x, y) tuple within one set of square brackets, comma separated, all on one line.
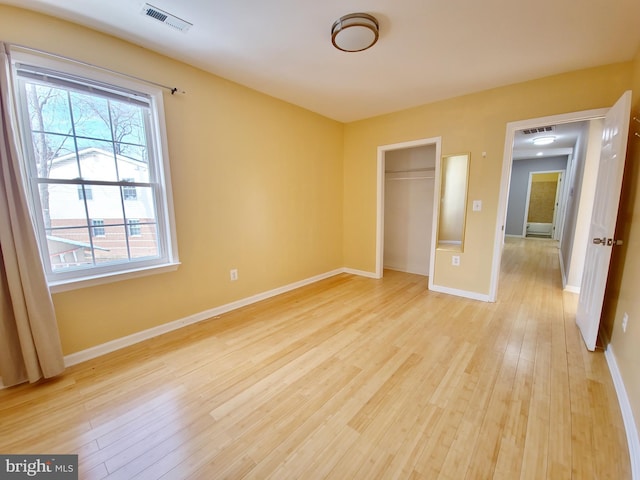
[(507, 163)]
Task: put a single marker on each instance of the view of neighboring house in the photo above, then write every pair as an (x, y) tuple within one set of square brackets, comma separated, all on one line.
[(115, 222)]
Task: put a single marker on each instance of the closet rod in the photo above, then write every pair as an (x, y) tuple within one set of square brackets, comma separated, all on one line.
[(412, 171), (411, 178), (173, 90)]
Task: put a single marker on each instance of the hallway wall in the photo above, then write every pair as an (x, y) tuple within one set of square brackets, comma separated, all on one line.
[(519, 185)]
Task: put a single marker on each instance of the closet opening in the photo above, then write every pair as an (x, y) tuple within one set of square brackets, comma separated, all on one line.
[(406, 203)]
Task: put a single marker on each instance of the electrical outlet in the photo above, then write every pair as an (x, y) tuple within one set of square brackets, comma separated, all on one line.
[(233, 274), (477, 205), (455, 260), (625, 320)]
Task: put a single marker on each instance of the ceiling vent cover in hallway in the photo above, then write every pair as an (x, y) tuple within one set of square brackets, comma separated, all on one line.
[(166, 18), (531, 131)]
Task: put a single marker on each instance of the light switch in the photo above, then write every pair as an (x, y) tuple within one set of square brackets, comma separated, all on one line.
[(477, 205)]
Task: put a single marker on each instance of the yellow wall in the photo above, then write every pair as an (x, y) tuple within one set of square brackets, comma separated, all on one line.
[(257, 186), (545, 177), (624, 276), (473, 123)]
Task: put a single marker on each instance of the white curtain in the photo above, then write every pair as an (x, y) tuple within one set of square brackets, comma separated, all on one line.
[(29, 339)]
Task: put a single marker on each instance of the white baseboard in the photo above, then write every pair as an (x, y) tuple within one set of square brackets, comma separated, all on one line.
[(460, 293), (562, 270), (627, 414), (401, 268), (565, 287), (572, 289), (113, 345), (360, 273)]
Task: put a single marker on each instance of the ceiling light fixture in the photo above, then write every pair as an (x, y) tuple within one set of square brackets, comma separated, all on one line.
[(355, 32), (543, 140)]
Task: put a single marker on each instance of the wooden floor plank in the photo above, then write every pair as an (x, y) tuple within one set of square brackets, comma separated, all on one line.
[(350, 377)]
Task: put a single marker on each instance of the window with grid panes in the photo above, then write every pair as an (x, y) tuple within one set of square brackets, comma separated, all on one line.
[(96, 169)]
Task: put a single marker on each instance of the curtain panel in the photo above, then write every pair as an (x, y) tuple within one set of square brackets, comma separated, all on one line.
[(29, 339)]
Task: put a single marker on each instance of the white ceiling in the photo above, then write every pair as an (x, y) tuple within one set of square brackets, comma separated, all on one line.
[(427, 51), (566, 137)]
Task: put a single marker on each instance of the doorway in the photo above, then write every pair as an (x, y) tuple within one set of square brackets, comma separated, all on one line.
[(405, 206), (520, 189), (567, 217), (543, 204)]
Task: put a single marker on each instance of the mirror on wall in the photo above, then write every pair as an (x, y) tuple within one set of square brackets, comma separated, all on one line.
[(454, 176)]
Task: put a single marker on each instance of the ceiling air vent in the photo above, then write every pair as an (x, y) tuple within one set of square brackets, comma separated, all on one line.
[(166, 18), (532, 131)]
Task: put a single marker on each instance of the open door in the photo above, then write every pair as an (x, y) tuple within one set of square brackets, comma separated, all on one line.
[(556, 208), (603, 219)]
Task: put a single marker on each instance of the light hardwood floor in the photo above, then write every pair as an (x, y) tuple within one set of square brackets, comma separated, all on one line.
[(349, 378)]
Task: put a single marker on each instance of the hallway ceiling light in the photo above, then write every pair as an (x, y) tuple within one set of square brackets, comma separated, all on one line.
[(355, 32), (543, 140)]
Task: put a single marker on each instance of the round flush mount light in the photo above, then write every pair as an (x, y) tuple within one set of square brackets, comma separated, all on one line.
[(355, 32), (543, 140)]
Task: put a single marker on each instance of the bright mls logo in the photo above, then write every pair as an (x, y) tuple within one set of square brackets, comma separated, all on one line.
[(51, 467)]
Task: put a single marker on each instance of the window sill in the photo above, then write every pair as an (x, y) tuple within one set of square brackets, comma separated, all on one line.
[(90, 281)]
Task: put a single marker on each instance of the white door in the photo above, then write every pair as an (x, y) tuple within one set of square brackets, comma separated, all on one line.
[(556, 207), (603, 219)]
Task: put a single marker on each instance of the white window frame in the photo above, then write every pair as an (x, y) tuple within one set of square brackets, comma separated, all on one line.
[(158, 170)]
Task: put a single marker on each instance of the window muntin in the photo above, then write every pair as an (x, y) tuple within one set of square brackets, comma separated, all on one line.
[(95, 167)]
